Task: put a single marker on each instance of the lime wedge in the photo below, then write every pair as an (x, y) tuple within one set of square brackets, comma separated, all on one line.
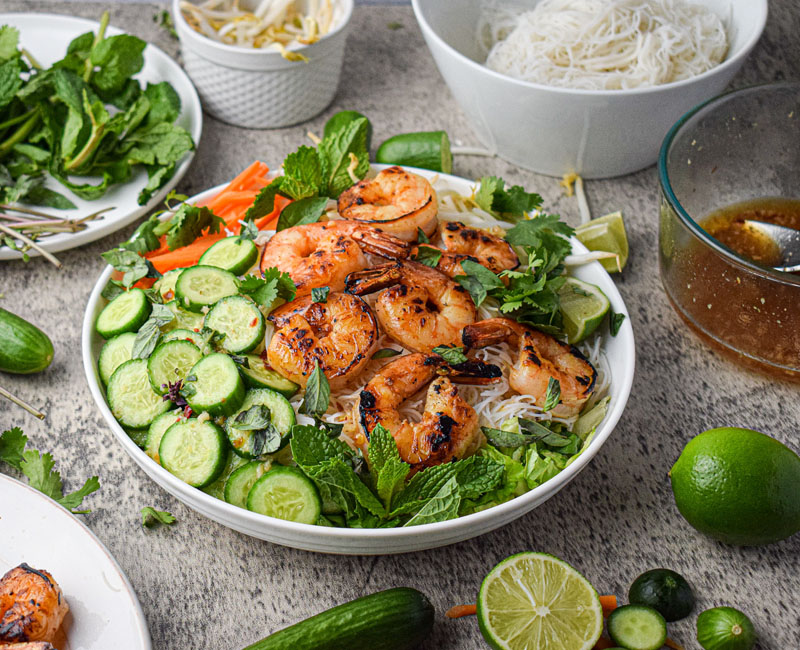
[(534, 601), (606, 234), (583, 307)]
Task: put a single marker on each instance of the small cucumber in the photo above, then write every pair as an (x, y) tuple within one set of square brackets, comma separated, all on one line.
[(395, 619), (428, 150), (725, 628), (24, 348), (665, 591)]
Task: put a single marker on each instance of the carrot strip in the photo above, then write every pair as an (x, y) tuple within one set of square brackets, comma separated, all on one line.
[(461, 610), (609, 604), (672, 644), (186, 255)]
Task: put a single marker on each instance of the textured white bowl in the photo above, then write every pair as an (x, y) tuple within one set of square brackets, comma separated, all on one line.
[(619, 351), (598, 134), (259, 89)]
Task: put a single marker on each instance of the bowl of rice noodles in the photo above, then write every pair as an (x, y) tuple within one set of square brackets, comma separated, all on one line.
[(263, 63), (585, 86)]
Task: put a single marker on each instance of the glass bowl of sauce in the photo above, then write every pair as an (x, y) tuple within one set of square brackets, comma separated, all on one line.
[(732, 159)]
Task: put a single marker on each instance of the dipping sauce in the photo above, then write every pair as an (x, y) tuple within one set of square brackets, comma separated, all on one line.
[(727, 226)]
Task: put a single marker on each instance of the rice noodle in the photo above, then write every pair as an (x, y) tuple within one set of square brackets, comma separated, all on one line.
[(602, 44)]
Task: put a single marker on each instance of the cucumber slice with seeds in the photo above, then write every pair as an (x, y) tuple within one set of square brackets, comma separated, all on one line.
[(637, 627), (285, 493), (170, 362), (233, 254), (166, 284), (282, 419), (194, 451), (241, 481), (115, 352), (182, 334), (157, 430), (202, 286), (240, 320), (217, 488), (126, 313), (218, 387), (131, 397), (258, 375), (187, 320)]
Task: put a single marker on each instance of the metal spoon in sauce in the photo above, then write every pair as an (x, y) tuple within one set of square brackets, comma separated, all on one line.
[(787, 240)]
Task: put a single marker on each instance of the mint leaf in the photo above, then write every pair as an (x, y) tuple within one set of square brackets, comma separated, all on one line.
[(428, 255), (9, 42), (336, 474), (302, 174), (453, 355), (386, 353), (440, 507), (334, 155), (248, 230), (119, 58), (74, 500), (145, 238), (615, 322), (553, 395), (297, 213), (388, 468), (150, 332), (422, 487), (311, 446), (477, 475), (152, 517), (318, 393), (12, 442), (422, 238), (133, 266), (264, 202)]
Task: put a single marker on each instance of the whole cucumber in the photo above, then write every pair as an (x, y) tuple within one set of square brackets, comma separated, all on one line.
[(395, 619), (24, 348)]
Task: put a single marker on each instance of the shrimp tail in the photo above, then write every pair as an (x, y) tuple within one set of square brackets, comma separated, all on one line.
[(474, 372), (492, 331), (376, 242), (360, 283)]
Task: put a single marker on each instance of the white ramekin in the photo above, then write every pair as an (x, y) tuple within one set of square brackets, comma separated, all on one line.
[(259, 89)]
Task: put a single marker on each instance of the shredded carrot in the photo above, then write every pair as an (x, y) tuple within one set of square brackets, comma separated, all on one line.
[(672, 644), (603, 643), (461, 610), (609, 604), (186, 255)]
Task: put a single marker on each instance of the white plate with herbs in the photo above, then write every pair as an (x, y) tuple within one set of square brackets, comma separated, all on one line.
[(46, 37)]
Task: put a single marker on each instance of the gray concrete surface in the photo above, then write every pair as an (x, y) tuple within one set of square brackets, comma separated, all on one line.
[(204, 586)]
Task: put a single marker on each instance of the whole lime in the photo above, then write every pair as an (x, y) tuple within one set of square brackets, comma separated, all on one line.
[(739, 486)]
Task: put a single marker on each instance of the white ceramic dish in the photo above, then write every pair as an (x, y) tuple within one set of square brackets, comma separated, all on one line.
[(46, 36), (598, 134), (104, 610), (619, 351), (259, 89)]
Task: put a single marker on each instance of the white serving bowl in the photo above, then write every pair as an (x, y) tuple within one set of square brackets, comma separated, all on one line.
[(259, 89), (551, 130), (619, 352)]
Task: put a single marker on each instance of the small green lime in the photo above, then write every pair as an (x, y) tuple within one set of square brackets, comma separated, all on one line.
[(607, 234), (739, 486), (725, 628), (583, 307), (534, 601)]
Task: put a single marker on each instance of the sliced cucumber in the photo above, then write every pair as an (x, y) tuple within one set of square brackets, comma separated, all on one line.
[(157, 430), (239, 483), (202, 286), (218, 387), (126, 313), (285, 493), (194, 451), (139, 436), (428, 150), (233, 254), (258, 375), (187, 320), (637, 627), (115, 352), (246, 442), (182, 334), (217, 488), (170, 362), (166, 284), (240, 320), (131, 397)]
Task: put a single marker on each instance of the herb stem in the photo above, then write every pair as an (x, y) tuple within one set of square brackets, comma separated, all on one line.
[(89, 68), (33, 213), (17, 119), (34, 63), (23, 404), (20, 134), (472, 151), (27, 240)]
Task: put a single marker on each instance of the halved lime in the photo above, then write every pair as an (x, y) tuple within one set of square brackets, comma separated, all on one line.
[(534, 601), (583, 307), (606, 234)]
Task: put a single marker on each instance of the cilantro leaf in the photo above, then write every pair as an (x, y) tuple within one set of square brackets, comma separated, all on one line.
[(152, 517), (145, 238), (265, 291), (422, 238), (73, 500), (38, 468), (188, 224), (553, 395), (264, 202), (12, 445), (428, 255), (453, 355), (440, 507), (478, 281), (513, 203), (545, 230)]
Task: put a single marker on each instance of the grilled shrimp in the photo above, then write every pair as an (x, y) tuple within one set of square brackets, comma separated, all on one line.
[(32, 606), (449, 425), (396, 201), (421, 308), (340, 335), (322, 254), (540, 357)]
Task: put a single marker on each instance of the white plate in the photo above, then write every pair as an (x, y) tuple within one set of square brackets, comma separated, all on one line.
[(104, 610), (46, 37), (619, 351)]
